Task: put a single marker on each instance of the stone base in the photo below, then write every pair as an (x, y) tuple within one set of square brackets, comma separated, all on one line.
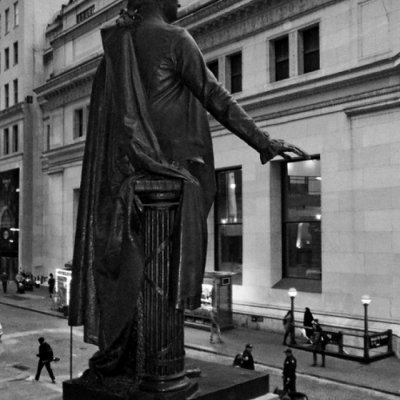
[(216, 382)]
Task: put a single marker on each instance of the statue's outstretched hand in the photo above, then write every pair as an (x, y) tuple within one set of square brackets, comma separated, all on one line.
[(284, 148)]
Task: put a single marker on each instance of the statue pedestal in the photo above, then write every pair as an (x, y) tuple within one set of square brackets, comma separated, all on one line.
[(216, 382)]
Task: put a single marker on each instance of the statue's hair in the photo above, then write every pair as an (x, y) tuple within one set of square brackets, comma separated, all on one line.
[(139, 4)]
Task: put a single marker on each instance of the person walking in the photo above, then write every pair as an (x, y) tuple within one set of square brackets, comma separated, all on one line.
[(289, 372), (319, 343), (215, 328), (288, 326), (4, 281), (45, 358), (307, 323), (51, 282), (247, 357)]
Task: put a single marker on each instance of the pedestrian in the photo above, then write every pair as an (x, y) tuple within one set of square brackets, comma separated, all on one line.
[(307, 323), (45, 358), (288, 326), (215, 328), (247, 357), (289, 372), (319, 343), (4, 281), (51, 282)]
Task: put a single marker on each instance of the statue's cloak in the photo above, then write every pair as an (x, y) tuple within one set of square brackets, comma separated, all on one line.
[(121, 147)]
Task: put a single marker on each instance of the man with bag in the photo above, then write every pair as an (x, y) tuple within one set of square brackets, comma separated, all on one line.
[(45, 358)]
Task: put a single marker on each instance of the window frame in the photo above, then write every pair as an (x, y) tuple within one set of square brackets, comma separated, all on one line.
[(6, 58), (6, 95), (285, 221), (277, 61), (6, 141), (16, 91), (233, 76), (6, 21), (15, 53), (306, 54), (15, 138), (16, 14), (236, 279)]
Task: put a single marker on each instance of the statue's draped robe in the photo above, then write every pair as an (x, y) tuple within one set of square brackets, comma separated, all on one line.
[(147, 118), (109, 261)]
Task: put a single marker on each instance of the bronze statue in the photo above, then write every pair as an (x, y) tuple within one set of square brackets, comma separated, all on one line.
[(147, 118)]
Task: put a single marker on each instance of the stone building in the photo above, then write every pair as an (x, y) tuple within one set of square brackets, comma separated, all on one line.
[(322, 74), (22, 24)]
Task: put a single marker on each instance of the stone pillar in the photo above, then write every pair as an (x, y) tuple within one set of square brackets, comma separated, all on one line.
[(162, 324)]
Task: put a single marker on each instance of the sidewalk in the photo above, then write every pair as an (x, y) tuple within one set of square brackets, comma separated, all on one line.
[(383, 375)]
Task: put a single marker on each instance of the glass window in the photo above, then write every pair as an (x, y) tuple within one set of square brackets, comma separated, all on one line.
[(16, 14), (15, 138), (6, 95), (7, 20), (235, 65), (302, 219), (47, 137), (214, 68), (228, 221), (310, 38), (15, 53), (78, 123), (6, 58), (6, 141), (15, 87), (281, 54)]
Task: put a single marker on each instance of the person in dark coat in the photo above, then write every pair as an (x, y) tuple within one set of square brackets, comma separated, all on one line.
[(45, 358), (288, 326), (247, 357), (51, 282), (307, 323), (319, 343), (289, 372), (4, 281), (148, 114)]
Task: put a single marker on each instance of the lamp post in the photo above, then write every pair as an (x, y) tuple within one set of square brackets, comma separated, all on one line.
[(292, 292), (365, 300)]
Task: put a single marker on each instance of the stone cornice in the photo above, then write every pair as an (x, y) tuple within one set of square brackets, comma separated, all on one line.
[(95, 21), (80, 76), (12, 111), (57, 159), (226, 21)]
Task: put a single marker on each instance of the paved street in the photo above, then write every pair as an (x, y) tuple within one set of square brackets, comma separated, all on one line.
[(26, 317), (18, 351)]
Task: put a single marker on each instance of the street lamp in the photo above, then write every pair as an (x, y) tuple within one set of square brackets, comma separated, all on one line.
[(292, 292), (365, 300)]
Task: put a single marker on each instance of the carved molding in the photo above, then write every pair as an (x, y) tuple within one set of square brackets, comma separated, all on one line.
[(226, 21), (57, 159)]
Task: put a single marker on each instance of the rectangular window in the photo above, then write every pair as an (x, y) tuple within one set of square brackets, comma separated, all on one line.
[(281, 56), (6, 95), (310, 46), (6, 141), (78, 123), (235, 72), (6, 58), (214, 68), (85, 14), (15, 87), (228, 223), (47, 137), (15, 138), (16, 14), (15, 45), (7, 20), (301, 181)]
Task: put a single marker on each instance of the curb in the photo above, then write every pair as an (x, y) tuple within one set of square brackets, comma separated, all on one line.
[(50, 313)]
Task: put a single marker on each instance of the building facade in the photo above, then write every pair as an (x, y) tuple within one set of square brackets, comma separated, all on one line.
[(322, 74), (22, 24)]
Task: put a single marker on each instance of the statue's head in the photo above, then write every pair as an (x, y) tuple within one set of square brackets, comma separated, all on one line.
[(167, 8)]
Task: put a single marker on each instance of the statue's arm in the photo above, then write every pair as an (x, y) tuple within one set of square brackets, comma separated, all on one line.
[(219, 102)]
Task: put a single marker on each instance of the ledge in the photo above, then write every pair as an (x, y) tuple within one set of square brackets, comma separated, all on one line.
[(302, 285)]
